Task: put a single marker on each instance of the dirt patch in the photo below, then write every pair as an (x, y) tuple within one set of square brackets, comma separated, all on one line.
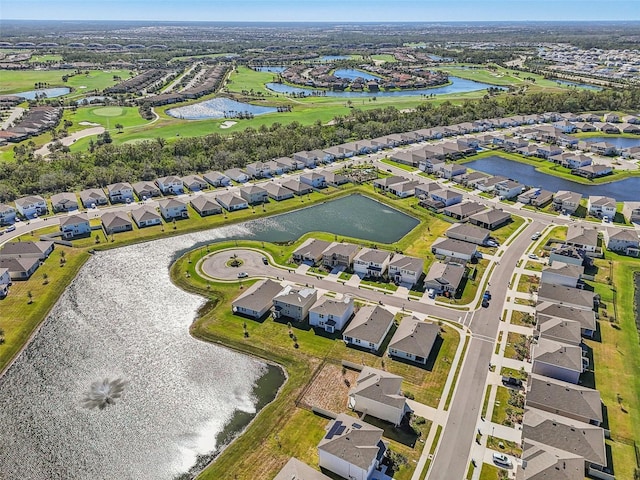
[(330, 388)]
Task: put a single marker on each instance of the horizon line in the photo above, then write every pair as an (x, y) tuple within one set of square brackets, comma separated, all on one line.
[(339, 22)]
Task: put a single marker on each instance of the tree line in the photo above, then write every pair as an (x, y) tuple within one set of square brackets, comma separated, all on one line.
[(109, 163)]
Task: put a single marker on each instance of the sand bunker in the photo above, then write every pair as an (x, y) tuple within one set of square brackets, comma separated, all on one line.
[(227, 124), (89, 124)]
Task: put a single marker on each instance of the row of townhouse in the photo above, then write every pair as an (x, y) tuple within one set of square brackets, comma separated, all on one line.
[(561, 429), (366, 262), (19, 260)]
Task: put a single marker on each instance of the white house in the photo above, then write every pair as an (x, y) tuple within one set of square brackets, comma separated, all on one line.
[(331, 314), (7, 214), (456, 249), (351, 448), (379, 394), (170, 185), (369, 328), (509, 189), (447, 197), (231, 202), (405, 270), (624, 241), (370, 262), (567, 202), (294, 303), (237, 175), (601, 207), (5, 281), (257, 300), (316, 180), (630, 210), (121, 192), (64, 202), (75, 226), (258, 169), (173, 208), (217, 179), (31, 206), (414, 340), (146, 190)]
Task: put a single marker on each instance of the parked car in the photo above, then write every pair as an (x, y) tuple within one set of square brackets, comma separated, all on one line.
[(492, 243), (536, 236), (10, 228), (501, 459), (605, 219), (431, 293), (511, 381), (265, 260), (487, 295), (243, 275), (533, 256)]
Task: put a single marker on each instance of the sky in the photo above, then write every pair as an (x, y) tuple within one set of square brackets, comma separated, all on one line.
[(322, 10)]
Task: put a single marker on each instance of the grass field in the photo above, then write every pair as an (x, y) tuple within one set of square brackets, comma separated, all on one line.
[(45, 58), (14, 81)]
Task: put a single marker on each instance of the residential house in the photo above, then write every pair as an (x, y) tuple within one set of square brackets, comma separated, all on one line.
[(339, 255), (370, 262), (404, 189), (569, 254), (630, 210), (622, 241), (489, 185), (146, 216), (19, 268), (559, 330), (31, 206), (231, 202), (379, 394), (471, 179), (314, 179), (64, 202), (450, 170), (560, 273), (611, 117), (491, 219), (75, 226), (351, 448), (557, 360), (593, 171), (205, 205), (462, 211), (577, 161), (386, 182), (565, 434), (601, 207), (601, 148), (294, 469), (121, 192), (468, 233), (565, 399), (173, 209), (536, 197), (257, 300), (254, 194), (549, 311), (297, 187), (573, 297), (170, 185), (146, 190), (425, 189), (294, 303), (414, 340), (547, 151), (509, 189), (237, 175), (369, 328), (217, 179), (454, 249), (277, 191), (446, 197), (444, 278), (275, 168), (405, 270), (93, 197), (334, 179), (540, 461), (195, 183), (430, 164), (331, 314), (39, 249), (288, 164), (633, 119), (116, 222), (258, 170), (567, 202), (311, 251), (7, 214)]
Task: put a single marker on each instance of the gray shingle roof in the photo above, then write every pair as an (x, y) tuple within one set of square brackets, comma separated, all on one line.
[(25, 248), (74, 219), (372, 255), (549, 310), (258, 295), (357, 443), (566, 296), (558, 354), (370, 324), (380, 386), (415, 337), (403, 262), (331, 306), (294, 469), (312, 248), (544, 462), (445, 273)]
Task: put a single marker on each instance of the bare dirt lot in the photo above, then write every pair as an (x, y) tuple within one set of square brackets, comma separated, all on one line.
[(330, 388)]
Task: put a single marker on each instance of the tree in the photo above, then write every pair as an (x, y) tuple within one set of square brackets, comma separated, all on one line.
[(119, 127), (45, 279), (30, 297)]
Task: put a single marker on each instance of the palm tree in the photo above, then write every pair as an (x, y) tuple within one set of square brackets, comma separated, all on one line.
[(45, 279), (290, 331), (30, 296)]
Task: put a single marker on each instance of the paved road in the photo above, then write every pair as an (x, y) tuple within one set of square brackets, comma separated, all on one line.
[(68, 140), (452, 456)]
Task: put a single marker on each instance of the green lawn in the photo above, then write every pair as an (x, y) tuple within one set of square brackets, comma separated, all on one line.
[(510, 350), (503, 413), (503, 233), (408, 168), (510, 448), (14, 81), (490, 472), (108, 117), (522, 318)]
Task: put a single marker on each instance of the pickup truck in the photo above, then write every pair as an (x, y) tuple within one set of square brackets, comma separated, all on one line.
[(512, 381)]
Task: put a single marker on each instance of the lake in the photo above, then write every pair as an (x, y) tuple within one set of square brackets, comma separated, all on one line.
[(270, 69), (619, 142), (333, 58), (122, 317), (578, 85), (351, 74), (622, 190), (48, 92), (457, 85), (218, 108)]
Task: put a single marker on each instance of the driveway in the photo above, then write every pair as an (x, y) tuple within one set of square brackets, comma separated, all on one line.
[(215, 265)]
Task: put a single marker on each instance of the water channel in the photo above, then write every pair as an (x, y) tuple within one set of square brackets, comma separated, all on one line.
[(622, 190), (46, 92), (619, 142), (123, 318), (218, 108), (457, 85), (351, 74)]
